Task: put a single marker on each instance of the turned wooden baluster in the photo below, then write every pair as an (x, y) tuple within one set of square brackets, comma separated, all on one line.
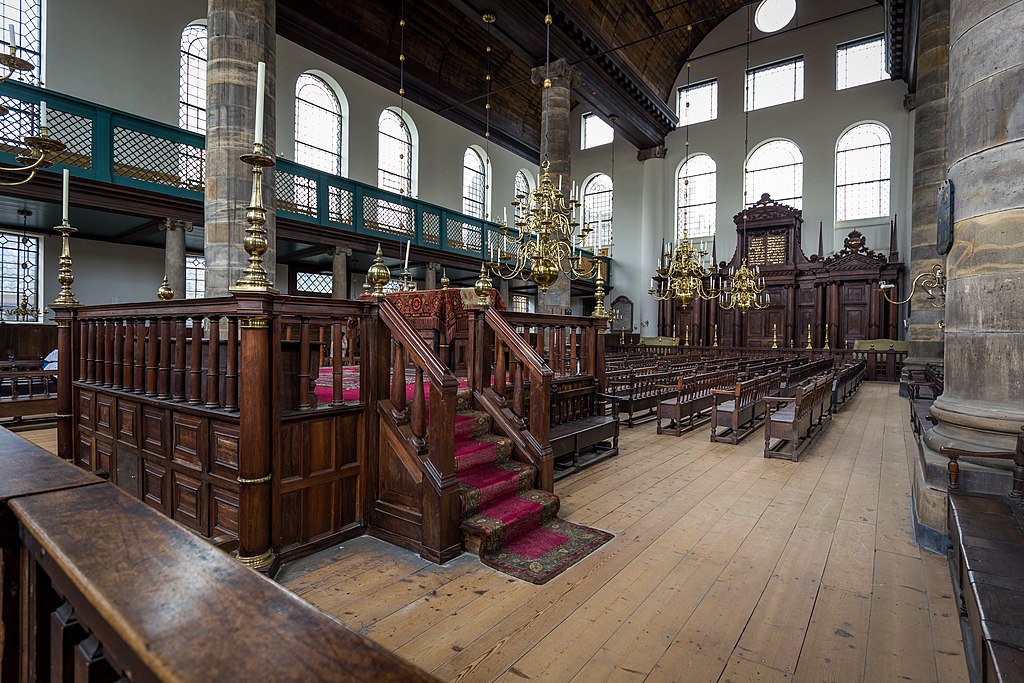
[(398, 397), (118, 359), (304, 364), (321, 337), (499, 370), (289, 334), (419, 412), (178, 375), (337, 362), (163, 380), (83, 348), (65, 632), (129, 356), (518, 391), (213, 364), (108, 353), (574, 368), (140, 356), (90, 353), (231, 372), (540, 341), (350, 333), (195, 392), (152, 356)]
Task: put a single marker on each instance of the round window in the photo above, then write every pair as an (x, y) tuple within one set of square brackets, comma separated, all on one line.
[(773, 15)]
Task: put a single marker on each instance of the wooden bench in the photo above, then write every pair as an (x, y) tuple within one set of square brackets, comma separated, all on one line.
[(986, 558), (580, 434), (848, 379), (27, 392), (797, 419), (923, 387), (692, 397), (641, 392), (740, 408)]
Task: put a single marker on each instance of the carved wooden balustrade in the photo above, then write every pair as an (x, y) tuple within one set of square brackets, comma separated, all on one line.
[(413, 484), (96, 586)]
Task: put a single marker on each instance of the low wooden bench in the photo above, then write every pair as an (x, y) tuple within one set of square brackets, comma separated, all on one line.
[(27, 392), (692, 398), (641, 392), (797, 419), (739, 409), (923, 387), (580, 434), (848, 380), (986, 558)]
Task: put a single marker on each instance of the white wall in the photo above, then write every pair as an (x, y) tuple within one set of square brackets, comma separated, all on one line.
[(814, 123)]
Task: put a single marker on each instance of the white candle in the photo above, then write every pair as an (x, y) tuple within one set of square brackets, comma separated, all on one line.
[(65, 214), (652, 283), (10, 35), (261, 77), (559, 183), (572, 195), (538, 238), (408, 243), (42, 114), (504, 215)]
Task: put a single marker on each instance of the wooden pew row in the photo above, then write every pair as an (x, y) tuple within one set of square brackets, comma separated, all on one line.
[(99, 587), (692, 398), (986, 556), (923, 387), (28, 392), (797, 419), (741, 409)]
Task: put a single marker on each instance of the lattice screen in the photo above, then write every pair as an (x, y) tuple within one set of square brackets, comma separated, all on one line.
[(296, 194), (157, 160), (465, 236), (319, 283), (340, 205), (388, 217), (431, 227)]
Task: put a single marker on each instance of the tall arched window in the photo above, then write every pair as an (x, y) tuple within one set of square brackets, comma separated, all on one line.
[(523, 188), (862, 172), (474, 184), (597, 210), (317, 124), (696, 197), (27, 18), (394, 153), (192, 79), (775, 167)]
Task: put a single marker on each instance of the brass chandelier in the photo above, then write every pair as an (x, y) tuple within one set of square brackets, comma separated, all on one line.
[(684, 275), (743, 289)]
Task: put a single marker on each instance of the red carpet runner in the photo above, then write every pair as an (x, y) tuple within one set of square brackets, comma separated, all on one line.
[(517, 526)]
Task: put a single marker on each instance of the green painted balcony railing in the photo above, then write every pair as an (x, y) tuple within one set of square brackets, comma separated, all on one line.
[(115, 147)]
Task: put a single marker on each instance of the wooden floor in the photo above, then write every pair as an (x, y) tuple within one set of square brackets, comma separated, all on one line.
[(725, 567)]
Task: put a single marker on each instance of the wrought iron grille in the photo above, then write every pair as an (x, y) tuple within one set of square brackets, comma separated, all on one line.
[(27, 17), (465, 236), (158, 160), (19, 272), (388, 217), (431, 227), (340, 204), (318, 283), (295, 194)]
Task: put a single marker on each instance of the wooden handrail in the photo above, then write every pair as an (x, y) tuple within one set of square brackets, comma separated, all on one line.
[(97, 583)]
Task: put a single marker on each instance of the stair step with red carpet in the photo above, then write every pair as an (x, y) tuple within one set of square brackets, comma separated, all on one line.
[(511, 525)]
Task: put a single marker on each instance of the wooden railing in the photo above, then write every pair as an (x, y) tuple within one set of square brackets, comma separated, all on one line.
[(416, 440), (98, 587), (27, 392)]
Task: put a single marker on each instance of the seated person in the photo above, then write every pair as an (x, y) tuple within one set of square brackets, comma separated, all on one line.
[(50, 362)]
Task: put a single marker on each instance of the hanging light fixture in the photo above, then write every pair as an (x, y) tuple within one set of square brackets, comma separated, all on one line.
[(744, 288), (548, 239), (25, 310)]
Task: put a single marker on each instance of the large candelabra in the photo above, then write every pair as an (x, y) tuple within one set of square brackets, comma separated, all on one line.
[(743, 289), (684, 276), (546, 243)]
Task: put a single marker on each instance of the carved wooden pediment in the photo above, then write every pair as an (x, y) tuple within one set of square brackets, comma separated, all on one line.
[(767, 210), (855, 255)]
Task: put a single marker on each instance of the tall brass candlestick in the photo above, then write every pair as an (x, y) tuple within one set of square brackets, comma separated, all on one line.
[(254, 277), (809, 336), (64, 275), (775, 336)]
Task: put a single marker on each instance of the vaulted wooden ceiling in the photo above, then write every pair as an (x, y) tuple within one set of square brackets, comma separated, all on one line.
[(628, 52)]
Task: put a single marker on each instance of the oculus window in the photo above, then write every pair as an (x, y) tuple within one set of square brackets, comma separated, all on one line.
[(774, 15)]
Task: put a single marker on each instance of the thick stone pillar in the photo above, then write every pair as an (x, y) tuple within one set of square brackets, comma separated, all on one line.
[(339, 269), (174, 254), (241, 33), (555, 141), (652, 231), (930, 165), (430, 277), (983, 402)]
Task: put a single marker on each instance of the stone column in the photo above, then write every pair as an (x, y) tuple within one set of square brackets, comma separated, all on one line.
[(242, 33), (430, 277), (555, 141), (174, 254), (652, 231), (983, 402), (930, 165), (339, 269)]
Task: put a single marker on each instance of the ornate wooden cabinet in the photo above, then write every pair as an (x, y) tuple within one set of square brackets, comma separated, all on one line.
[(808, 294)]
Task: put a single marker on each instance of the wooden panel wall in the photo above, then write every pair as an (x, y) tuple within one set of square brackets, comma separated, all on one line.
[(27, 340)]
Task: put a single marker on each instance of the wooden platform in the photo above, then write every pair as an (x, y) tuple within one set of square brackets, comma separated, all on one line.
[(725, 567)]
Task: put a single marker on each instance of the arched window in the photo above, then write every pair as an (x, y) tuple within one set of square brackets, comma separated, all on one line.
[(192, 79), (394, 153), (775, 167), (862, 172), (27, 18), (523, 189), (597, 210), (317, 125), (696, 197), (474, 184)]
